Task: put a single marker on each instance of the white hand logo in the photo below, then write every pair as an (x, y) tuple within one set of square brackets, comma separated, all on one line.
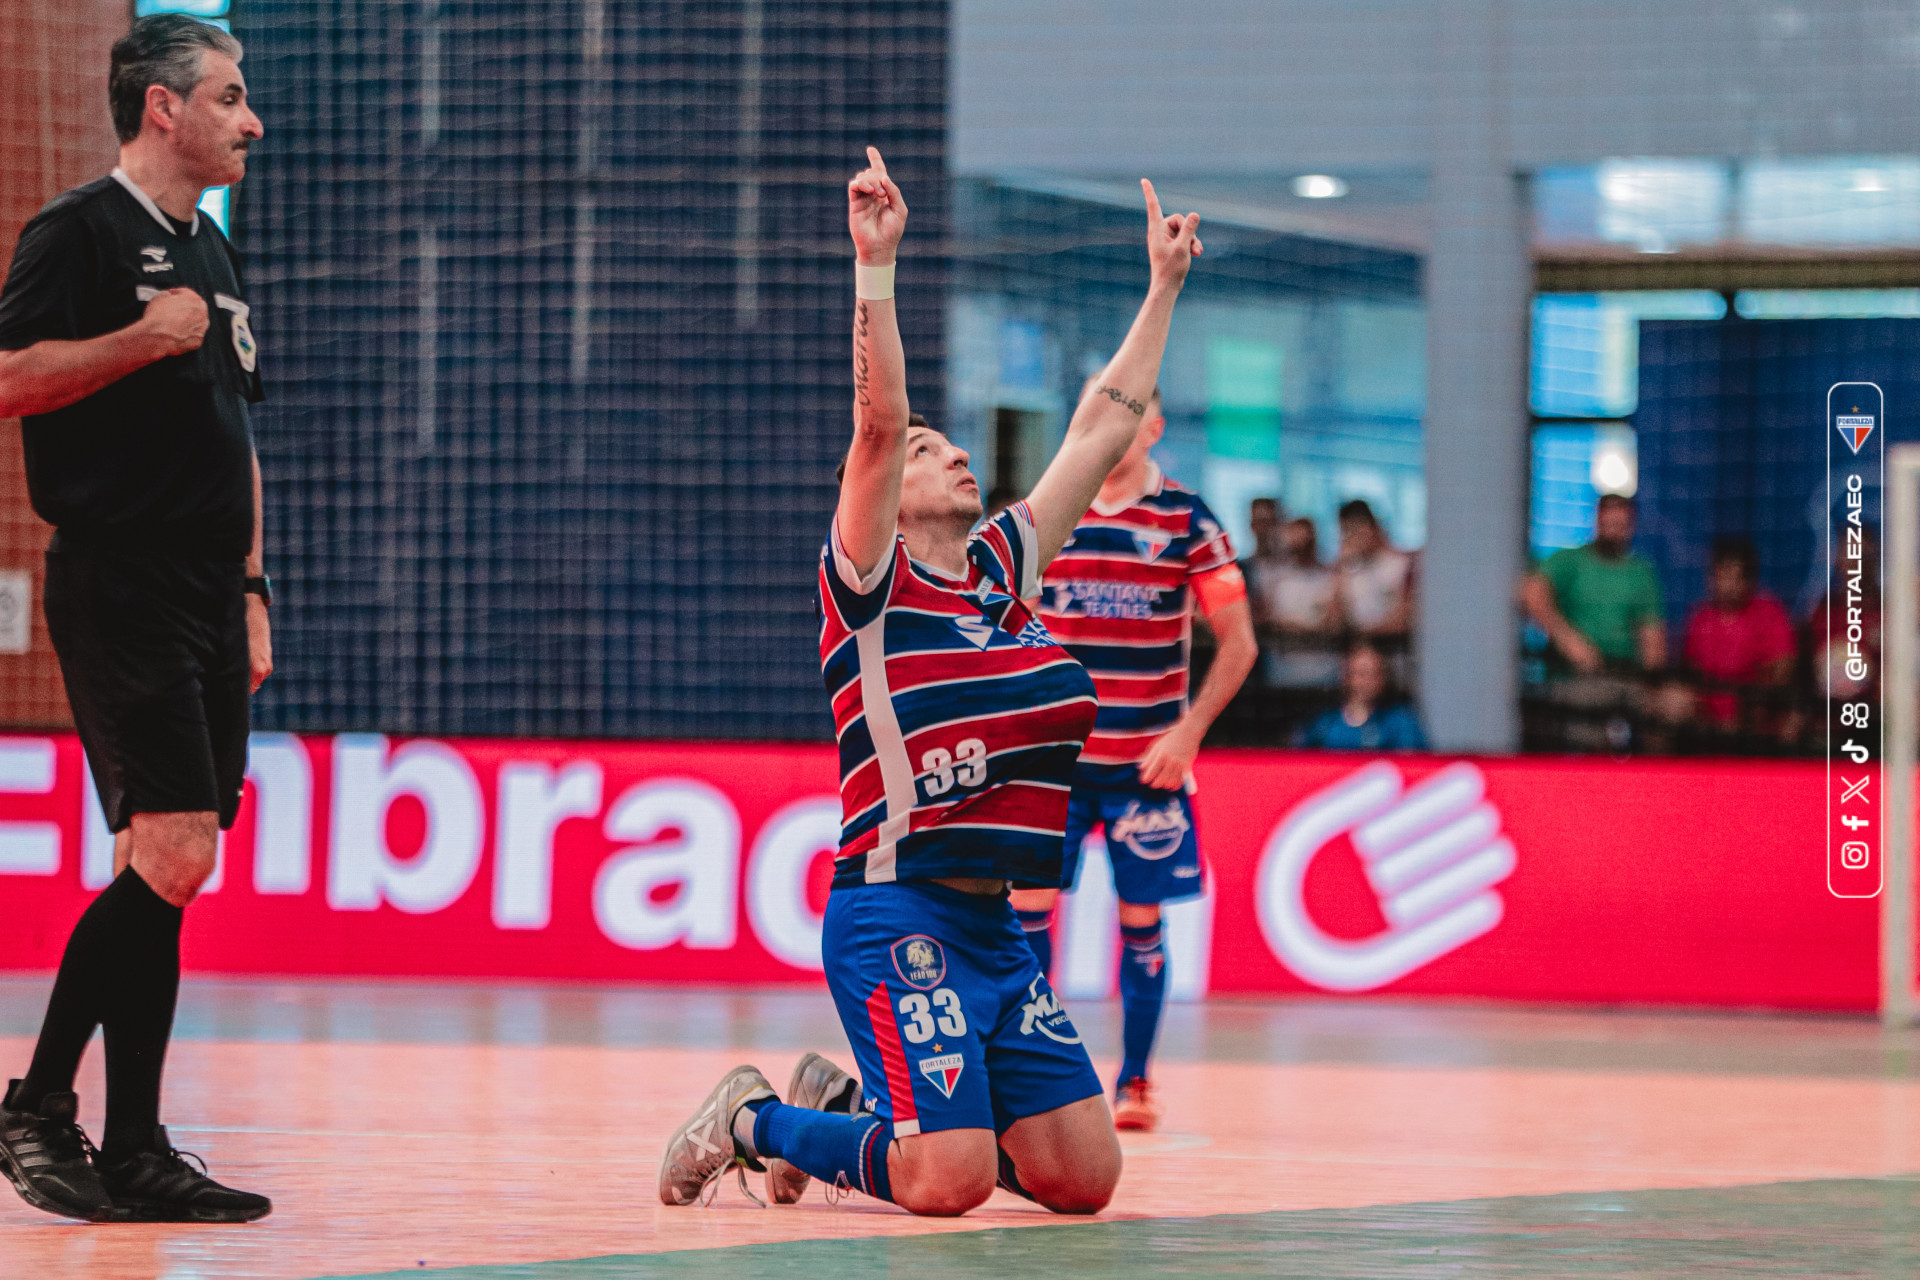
[(1432, 854)]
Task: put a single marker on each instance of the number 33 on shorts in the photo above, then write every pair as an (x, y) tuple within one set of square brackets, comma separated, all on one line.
[(922, 1013)]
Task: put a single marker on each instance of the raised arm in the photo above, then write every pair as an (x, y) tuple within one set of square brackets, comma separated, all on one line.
[(1109, 416), (54, 374), (869, 507)]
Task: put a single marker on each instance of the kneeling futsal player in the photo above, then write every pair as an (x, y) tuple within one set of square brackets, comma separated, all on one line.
[(959, 721)]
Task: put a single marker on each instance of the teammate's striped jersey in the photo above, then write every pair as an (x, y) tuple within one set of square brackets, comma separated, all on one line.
[(1119, 596), (959, 718)]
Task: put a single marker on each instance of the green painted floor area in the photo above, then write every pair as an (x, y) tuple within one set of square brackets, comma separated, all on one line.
[(1839, 1228)]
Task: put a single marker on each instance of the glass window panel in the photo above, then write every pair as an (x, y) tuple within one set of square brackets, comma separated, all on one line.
[(1566, 205), (198, 8), (1860, 200), (1023, 354), (1586, 346), (1659, 205), (1826, 304), (1383, 359)]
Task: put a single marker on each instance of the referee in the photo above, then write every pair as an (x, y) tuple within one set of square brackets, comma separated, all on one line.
[(125, 347)]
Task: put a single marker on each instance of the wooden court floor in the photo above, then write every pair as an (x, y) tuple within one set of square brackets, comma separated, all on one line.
[(513, 1132)]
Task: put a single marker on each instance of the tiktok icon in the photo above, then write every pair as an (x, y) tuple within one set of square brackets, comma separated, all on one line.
[(1433, 853)]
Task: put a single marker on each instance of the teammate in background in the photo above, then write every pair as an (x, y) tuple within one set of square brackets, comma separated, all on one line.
[(959, 720), (124, 345), (1120, 596)]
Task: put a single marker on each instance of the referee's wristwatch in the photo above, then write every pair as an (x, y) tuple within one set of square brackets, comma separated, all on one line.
[(261, 586)]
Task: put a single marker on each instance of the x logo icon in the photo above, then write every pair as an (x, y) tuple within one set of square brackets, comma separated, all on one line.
[(1855, 790)]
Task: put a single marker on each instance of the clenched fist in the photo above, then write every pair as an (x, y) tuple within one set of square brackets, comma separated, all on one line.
[(176, 321)]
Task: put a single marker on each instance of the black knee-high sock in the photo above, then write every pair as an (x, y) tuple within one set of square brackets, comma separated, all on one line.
[(137, 1015), (73, 1010), (121, 969)]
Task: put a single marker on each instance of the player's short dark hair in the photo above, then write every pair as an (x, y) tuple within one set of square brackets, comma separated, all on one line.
[(1608, 499), (1358, 509), (164, 49), (1736, 548), (840, 472)]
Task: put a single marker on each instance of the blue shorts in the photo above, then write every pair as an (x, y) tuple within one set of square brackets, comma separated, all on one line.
[(953, 1024), (1151, 841)]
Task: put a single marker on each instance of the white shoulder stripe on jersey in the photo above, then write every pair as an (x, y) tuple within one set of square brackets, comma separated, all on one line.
[(896, 773), (1029, 584)]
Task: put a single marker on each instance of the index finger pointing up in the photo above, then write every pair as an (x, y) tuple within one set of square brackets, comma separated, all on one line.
[(873, 158), (1153, 203)]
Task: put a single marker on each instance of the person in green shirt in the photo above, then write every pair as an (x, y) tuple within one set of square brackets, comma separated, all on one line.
[(1600, 604)]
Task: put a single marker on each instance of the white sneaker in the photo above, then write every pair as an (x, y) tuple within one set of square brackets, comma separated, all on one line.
[(817, 1085), (703, 1148)]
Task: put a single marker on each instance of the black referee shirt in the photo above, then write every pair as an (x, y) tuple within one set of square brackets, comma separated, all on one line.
[(163, 457)]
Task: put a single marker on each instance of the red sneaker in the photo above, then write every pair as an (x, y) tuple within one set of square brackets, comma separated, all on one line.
[(1134, 1108)]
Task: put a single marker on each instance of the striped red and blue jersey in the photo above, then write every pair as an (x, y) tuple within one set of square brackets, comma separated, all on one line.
[(959, 717), (1120, 597)]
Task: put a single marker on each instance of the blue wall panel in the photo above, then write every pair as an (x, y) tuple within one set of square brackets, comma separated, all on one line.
[(554, 301), (1732, 439)]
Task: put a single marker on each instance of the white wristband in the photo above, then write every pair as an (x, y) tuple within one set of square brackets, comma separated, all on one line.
[(872, 283)]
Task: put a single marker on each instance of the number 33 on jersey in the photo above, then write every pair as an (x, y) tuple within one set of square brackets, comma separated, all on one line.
[(959, 718)]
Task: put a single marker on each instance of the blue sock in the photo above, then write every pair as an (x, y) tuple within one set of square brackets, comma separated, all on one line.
[(1143, 989), (827, 1144), (1039, 927)]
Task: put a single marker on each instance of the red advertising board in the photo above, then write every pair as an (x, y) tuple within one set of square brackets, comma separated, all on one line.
[(1527, 879)]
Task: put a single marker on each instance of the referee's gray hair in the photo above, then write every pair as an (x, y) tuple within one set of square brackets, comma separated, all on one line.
[(164, 49)]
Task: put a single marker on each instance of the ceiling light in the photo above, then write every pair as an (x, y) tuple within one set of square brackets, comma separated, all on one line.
[(1318, 186)]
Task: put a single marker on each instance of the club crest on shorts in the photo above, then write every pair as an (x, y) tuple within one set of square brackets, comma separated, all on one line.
[(1151, 833), (920, 962), (944, 1071)]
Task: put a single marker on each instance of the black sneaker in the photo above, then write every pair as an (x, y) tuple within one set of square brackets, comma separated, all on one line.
[(45, 1156), (160, 1186)]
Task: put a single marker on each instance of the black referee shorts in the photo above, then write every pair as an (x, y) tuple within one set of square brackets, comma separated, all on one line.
[(153, 646)]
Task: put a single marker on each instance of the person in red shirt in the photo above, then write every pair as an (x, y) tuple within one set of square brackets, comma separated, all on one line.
[(1740, 637)]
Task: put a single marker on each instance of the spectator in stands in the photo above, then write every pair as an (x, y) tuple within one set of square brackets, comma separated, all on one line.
[(1373, 581), (1299, 611), (1367, 719), (1739, 638), (1263, 521), (1600, 604)]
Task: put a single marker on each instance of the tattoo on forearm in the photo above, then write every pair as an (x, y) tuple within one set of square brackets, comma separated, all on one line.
[(860, 355), (1119, 397)]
